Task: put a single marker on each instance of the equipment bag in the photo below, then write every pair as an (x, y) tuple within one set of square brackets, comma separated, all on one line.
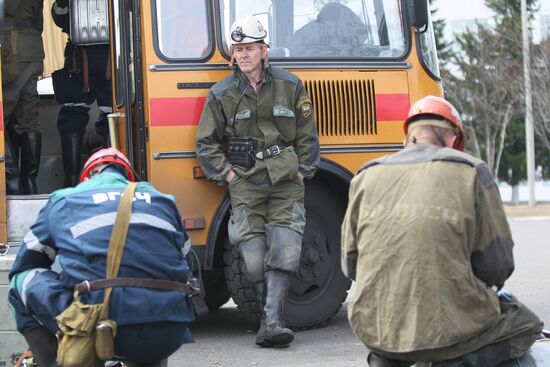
[(86, 335), (89, 23), (68, 88)]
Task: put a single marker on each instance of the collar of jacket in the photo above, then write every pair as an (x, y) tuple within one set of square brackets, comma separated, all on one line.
[(241, 81)]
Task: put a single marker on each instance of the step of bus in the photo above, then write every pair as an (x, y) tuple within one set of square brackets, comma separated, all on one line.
[(22, 213)]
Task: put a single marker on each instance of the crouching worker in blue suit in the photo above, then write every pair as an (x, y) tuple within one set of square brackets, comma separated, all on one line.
[(75, 226)]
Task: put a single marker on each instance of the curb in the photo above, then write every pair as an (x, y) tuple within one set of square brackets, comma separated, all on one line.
[(528, 219)]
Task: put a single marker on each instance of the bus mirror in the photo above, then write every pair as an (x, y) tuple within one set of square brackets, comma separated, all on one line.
[(418, 14)]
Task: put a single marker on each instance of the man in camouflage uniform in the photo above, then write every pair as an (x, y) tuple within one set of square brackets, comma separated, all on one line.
[(426, 238), (22, 64), (266, 115)]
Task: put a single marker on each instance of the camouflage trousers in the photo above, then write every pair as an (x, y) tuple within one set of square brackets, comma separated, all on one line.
[(256, 205)]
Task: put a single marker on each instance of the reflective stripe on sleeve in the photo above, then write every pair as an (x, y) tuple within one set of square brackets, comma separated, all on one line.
[(34, 244), (28, 277), (59, 10)]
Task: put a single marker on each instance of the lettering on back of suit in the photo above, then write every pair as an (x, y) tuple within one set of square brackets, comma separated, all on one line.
[(102, 197)]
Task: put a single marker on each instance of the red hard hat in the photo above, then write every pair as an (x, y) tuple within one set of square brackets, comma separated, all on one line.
[(432, 105), (104, 156)]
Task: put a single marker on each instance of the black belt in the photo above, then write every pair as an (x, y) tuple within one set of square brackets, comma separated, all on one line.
[(270, 152), (88, 286)]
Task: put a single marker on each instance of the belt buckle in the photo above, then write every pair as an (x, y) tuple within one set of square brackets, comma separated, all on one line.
[(274, 150)]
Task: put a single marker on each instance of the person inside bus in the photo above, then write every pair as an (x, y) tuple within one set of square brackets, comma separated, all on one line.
[(426, 239), (22, 65), (75, 227), (337, 31), (85, 78), (267, 118)]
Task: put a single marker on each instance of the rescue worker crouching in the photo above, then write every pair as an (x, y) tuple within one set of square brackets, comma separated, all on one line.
[(85, 78), (266, 116), (426, 239), (75, 226)]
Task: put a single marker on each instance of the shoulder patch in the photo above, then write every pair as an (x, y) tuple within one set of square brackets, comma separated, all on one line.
[(304, 105)]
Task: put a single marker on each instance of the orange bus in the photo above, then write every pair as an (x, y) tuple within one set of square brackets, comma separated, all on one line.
[(363, 63)]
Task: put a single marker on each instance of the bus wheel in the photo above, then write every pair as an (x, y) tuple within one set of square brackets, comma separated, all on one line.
[(319, 288), (238, 284), (216, 292)]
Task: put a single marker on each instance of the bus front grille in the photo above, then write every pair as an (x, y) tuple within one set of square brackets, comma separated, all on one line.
[(343, 108)]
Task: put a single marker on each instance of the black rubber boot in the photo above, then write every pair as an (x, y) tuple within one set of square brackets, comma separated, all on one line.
[(375, 360), (489, 356), (43, 345), (276, 335), (13, 183), (31, 146), (71, 145), (259, 293)]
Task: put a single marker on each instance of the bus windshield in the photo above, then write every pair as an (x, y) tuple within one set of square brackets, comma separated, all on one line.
[(324, 29)]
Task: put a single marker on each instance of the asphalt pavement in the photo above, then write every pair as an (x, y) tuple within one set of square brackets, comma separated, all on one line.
[(223, 339)]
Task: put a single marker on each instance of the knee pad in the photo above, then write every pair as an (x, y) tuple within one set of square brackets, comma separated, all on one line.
[(284, 248), (253, 252)]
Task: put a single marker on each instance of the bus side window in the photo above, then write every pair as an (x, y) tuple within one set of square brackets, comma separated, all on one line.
[(335, 32), (183, 29)]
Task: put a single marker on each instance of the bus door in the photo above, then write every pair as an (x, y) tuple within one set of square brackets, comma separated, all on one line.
[(126, 123), (3, 215), (180, 66)]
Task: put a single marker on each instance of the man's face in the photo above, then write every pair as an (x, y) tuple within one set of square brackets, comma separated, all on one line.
[(249, 56)]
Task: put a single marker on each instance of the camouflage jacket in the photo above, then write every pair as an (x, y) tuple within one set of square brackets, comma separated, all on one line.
[(279, 114), (22, 29)]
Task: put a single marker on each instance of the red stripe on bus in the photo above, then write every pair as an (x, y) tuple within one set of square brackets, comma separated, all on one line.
[(186, 111), (390, 107), (176, 111)]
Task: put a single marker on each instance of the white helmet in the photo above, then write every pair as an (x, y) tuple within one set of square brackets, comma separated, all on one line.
[(247, 29)]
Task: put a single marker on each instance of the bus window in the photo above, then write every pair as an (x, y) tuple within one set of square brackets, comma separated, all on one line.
[(123, 32), (182, 29), (428, 51), (353, 29)]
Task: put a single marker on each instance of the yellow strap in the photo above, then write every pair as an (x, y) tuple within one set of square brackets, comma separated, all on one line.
[(118, 239)]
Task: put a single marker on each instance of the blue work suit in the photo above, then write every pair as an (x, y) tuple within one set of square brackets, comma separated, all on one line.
[(75, 226)]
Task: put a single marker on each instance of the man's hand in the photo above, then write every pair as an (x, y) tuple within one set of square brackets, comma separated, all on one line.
[(300, 175), (230, 176)]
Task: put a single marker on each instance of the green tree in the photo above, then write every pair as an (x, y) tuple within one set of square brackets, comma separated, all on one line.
[(487, 86), (541, 94), (444, 47)]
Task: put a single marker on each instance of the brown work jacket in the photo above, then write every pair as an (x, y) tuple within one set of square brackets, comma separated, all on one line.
[(426, 238)]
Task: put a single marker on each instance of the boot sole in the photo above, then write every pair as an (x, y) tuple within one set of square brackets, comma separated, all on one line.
[(281, 340)]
